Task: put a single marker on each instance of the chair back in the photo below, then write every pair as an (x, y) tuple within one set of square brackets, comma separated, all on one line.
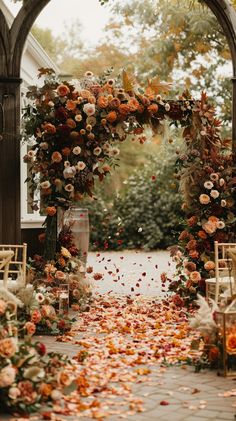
[(17, 264)]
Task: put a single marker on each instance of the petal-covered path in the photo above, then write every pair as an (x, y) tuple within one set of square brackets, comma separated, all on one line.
[(131, 357)]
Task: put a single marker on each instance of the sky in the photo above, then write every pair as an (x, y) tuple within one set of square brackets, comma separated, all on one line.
[(57, 13)]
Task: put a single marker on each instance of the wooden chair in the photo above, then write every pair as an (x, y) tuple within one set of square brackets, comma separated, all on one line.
[(224, 276), (13, 264)]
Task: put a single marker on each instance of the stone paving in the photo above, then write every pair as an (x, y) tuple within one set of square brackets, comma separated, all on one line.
[(169, 394)]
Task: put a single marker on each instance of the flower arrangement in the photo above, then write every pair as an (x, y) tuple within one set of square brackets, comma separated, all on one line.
[(28, 375), (208, 185), (76, 127)]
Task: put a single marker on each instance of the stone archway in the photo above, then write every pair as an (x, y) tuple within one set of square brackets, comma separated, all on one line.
[(12, 42)]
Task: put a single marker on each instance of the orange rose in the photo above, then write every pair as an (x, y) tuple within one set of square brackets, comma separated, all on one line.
[(124, 109), (51, 210), (71, 123), (183, 235), (49, 128), (192, 244), (45, 389), (111, 117), (231, 344), (133, 104), (210, 265), (102, 102), (192, 221), (70, 105), (152, 109), (201, 234), (56, 157), (63, 90), (193, 254)]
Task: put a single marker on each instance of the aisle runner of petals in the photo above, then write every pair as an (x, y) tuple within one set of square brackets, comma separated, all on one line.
[(123, 341)]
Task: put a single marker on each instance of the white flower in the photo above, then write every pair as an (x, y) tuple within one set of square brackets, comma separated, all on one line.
[(7, 376), (66, 164), (39, 297), (80, 166), (89, 109), (56, 395), (214, 194), (34, 373), (31, 154), (223, 203), (220, 225), (76, 150), (44, 146), (97, 151), (69, 187), (14, 392), (51, 104), (167, 107), (69, 172), (106, 147), (88, 73), (221, 182), (45, 185), (208, 185), (214, 176), (78, 117)]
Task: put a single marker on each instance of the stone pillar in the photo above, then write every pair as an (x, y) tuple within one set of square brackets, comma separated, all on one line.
[(10, 160)]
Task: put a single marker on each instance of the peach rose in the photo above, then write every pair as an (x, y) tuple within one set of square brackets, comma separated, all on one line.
[(124, 109), (64, 378), (201, 234), (56, 157), (134, 104), (45, 389), (8, 347), (209, 227), (30, 328), (114, 103), (27, 391), (190, 266), (210, 265), (213, 219), (7, 376), (195, 276), (70, 104), (204, 199), (192, 244), (49, 128), (63, 90), (183, 235), (61, 276), (35, 316), (193, 254), (89, 109)]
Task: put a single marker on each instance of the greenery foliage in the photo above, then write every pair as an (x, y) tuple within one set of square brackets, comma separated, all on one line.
[(146, 214)]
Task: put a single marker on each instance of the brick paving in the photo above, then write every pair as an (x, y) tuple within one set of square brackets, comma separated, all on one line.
[(188, 395)]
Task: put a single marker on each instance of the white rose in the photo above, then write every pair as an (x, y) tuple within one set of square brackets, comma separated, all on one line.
[(76, 150), (14, 393), (97, 151), (214, 194), (89, 109), (69, 172), (80, 166), (208, 185)]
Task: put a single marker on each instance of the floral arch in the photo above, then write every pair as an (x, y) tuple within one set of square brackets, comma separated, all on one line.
[(12, 42)]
